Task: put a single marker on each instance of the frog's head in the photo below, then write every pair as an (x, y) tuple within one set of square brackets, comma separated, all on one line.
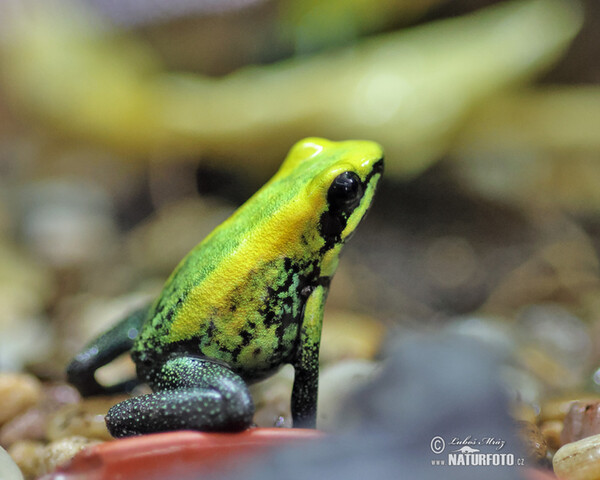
[(339, 180)]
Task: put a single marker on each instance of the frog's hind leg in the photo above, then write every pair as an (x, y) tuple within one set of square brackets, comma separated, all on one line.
[(190, 393), (103, 350)]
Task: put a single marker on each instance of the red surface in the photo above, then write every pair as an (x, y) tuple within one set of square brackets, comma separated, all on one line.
[(180, 455)]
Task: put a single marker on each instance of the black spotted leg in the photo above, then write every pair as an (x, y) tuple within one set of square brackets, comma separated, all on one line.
[(306, 364), (190, 393), (103, 350)]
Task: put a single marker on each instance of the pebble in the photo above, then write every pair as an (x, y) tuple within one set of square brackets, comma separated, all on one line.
[(336, 383), (31, 425), (84, 419), (61, 451), (272, 399), (534, 442), (18, 392), (582, 420), (24, 340), (578, 460), (28, 454), (25, 284), (556, 344), (25, 289), (8, 468), (551, 430)]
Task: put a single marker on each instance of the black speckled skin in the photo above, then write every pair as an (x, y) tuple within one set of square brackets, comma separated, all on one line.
[(191, 393)]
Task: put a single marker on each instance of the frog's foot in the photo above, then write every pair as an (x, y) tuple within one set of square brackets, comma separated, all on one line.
[(192, 393), (119, 339)]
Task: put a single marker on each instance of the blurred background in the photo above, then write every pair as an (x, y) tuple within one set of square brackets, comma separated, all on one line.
[(129, 130)]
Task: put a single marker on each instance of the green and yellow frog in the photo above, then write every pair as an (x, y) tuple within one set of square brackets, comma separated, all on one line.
[(243, 302)]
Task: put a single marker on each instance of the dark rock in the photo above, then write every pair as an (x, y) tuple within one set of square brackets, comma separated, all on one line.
[(432, 386)]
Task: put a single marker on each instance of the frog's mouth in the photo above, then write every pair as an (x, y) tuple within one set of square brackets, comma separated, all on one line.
[(377, 169)]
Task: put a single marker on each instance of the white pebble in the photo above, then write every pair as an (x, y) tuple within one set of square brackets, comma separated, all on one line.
[(8, 468), (578, 460)]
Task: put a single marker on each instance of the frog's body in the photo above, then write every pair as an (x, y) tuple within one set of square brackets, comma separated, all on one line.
[(246, 300)]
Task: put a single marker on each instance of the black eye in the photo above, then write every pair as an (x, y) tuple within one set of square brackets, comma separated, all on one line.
[(345, 191)]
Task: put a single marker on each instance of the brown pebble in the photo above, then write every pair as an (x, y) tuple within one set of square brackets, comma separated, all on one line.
[(31, 424), (61, 394), (533, 441), (18, 392), (61, 451), (27, 455), (582, 420), (551, 431), (84, 419)]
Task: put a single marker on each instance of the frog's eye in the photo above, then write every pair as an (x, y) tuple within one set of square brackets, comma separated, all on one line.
[(345, 191)]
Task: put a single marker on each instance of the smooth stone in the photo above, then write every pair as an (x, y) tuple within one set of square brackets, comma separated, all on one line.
[(31, 424), (582, 420), (578, 460), (534, 442), (562, 336), (28, 455), (18, 392), (25, 289), (8, 468), (272, 399), (336, 383)]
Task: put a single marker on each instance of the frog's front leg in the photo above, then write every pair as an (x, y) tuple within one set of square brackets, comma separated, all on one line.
[(306, 364), (190, 393), (103, 350)]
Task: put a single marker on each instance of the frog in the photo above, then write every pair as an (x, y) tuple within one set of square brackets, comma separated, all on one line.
[(245, 301)]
